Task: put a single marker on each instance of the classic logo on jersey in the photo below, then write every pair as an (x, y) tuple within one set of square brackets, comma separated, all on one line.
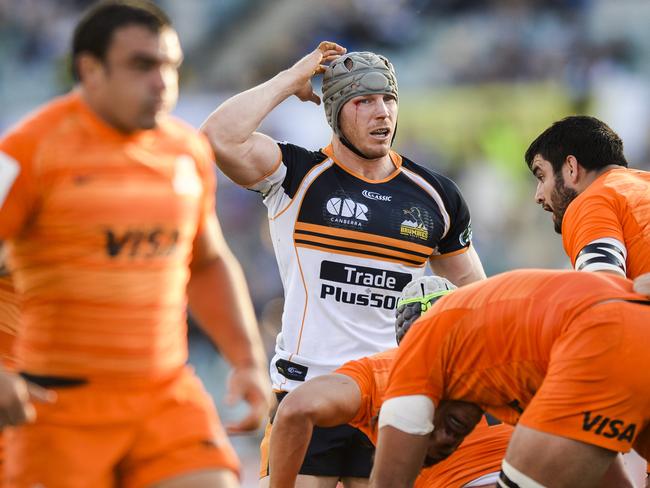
[(608, 427), (141, 243), (466, 237), (373, 195), (347, 212), (186, 180), (348, 274), (413, 225)]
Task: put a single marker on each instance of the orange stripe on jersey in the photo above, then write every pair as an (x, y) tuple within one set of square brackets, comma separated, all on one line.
[(366, 248), (616, 205), (360, 254), (395, 158), (100, 227), (363, 237)]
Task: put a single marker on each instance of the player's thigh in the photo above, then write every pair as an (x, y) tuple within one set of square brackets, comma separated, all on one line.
[(349, 482), (310, 481), (557, 462), (221, 478), (307, 481)]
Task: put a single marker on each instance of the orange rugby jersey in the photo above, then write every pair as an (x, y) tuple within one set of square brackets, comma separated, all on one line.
[(9, 317), (490, 342), (615, 206), (100, 227), (480, 453)]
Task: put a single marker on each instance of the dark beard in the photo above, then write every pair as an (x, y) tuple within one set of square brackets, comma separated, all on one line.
[(561, 197)]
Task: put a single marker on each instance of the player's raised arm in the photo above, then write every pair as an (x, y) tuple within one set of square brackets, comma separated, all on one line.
[(325, 401), (218, 297), (244, 155)]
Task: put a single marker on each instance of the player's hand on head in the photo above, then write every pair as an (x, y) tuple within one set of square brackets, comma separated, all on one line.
[(314, 63), (16, 397), (252, 385)]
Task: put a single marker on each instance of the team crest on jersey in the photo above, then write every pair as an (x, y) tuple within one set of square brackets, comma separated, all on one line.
[(466, 237), (186, 180), (413, 224), (346, 212)]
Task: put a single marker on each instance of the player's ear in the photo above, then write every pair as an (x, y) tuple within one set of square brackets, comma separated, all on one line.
[(572, 170), (89, 68)]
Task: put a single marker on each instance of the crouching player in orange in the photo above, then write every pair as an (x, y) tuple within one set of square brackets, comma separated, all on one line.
[(550, 351), (353, 394), (107, 211)]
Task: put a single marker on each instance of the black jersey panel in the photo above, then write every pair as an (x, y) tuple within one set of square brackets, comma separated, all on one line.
[(459, 234), (299, 161)]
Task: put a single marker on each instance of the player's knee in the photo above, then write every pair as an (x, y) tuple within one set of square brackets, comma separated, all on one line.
[(223, 478)]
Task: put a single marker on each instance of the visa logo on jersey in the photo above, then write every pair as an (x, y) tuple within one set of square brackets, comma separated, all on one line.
[(142, 243), (608, 427)]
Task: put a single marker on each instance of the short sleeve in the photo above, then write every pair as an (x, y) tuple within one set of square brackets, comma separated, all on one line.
[(418, 368), (459, 235), (362, 374), (591, 217), (295, 162), (17, 186)]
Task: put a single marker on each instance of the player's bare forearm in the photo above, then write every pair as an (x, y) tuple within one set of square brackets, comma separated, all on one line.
[(326, 401), (398, 458), (460, 269), (243, 154), (219, 299)]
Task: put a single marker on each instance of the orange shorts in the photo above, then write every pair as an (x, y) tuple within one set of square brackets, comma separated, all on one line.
[(597, 387), (105, 434)]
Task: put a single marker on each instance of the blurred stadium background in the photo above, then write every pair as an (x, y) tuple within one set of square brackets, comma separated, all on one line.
[(479, 79)]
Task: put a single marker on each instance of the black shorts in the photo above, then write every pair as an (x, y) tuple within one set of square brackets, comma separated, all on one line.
[(341, 451)]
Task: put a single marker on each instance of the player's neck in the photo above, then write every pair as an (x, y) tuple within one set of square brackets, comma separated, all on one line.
[(371, 169), (592, 176)]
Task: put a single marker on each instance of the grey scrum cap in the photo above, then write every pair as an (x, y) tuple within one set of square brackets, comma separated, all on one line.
[(352, 75)]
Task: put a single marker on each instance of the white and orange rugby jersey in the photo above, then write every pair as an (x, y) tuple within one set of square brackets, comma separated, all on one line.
[(345, 247), (100, 227), (607, 227)]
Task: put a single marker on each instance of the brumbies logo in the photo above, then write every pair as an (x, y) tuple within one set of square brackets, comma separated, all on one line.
[(413, 225), (466, 237), (608, 427)]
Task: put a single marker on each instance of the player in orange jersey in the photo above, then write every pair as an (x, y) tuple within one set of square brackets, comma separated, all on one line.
[(600, 206), (559, 353), (334, 399), (107, 210)]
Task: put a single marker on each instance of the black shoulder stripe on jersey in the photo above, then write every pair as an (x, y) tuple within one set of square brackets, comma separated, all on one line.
[(602, 255), (299, 161)]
